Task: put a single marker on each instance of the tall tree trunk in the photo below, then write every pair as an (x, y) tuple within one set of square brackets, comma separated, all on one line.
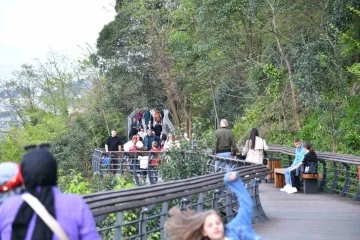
[(333, 136), (214, 102), (173, 109), (107, 126), (288, 66)]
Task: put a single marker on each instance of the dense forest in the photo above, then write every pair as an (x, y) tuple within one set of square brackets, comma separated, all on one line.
[(289, 68)]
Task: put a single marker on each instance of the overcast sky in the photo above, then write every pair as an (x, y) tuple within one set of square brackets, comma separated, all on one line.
[(29, 28)]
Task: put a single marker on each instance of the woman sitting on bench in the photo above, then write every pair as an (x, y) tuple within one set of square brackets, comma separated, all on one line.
[(308, 165)]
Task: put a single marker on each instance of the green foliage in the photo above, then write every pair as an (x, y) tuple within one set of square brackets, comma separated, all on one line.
[(182, 163), (48, 128), (75, 183)]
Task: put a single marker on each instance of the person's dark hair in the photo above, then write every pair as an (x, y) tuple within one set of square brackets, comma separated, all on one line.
[(253, 134), (163, 137), (297, 140), (39, 170), (309, 146)]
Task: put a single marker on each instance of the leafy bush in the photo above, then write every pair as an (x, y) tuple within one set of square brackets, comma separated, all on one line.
[(182, 163)]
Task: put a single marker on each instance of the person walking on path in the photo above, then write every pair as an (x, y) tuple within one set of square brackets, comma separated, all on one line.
[(254, 148), (147, 116), (224, 144)]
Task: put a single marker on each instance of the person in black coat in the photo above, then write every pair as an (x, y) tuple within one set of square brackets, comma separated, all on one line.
[(158, 130), (310, 161)]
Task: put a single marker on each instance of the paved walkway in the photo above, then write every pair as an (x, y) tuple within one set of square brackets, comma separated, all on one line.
[(302, 216)]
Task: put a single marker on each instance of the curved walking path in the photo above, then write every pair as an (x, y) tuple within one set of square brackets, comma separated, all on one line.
[(302, 216)]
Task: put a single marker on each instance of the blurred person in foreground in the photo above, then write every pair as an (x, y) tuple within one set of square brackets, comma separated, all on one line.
[(188, 225), (11, 181), (19, 221)]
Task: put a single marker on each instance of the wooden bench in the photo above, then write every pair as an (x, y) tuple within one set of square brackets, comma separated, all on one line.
[(309, 179), (279, 177), (272, 164), (310, 182)]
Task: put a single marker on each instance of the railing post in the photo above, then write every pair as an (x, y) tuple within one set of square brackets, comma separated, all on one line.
[(163, 217), (357, 196), (257, 203), (335, 180), (142, 223), (200, 205), (228, 205), (119, 220), (324, 179), (345, 188), (215, 204)]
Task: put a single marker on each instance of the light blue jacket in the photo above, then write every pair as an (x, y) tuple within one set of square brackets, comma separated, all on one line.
[(240, 227), (299, 155)]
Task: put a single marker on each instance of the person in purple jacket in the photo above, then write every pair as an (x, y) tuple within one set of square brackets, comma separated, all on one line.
[(18, 220), (208, 225)]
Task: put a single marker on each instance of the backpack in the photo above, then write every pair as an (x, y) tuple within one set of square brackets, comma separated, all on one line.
[(309, 167), (105, 160)]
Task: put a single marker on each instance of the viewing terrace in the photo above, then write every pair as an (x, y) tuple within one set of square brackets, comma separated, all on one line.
[(140, 213)]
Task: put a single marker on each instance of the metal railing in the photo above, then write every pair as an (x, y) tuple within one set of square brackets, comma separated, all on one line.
[(341, 172), (138, 164), (140, 213)]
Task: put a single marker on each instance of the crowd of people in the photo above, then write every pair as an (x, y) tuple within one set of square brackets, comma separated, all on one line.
[(153, 120)]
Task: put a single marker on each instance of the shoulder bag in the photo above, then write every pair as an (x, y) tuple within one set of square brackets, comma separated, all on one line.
[(41, 211), (265, 159)]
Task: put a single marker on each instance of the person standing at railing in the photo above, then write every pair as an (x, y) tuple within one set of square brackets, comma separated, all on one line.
[(291, 173), (224, 144), (209, 225), (134, 144), (149, 138), (113, 144), (254, 148)]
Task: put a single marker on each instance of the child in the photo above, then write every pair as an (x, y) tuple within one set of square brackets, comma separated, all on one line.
[(208, 225)]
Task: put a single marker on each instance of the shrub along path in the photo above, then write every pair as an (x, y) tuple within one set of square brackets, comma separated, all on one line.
[(301, 216)]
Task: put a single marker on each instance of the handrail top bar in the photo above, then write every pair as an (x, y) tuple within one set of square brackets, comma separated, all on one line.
[(245, 170), (337, 157)]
